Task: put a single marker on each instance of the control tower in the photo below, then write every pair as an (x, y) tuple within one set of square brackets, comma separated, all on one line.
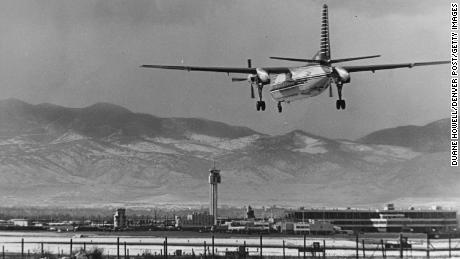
[(214, 180)]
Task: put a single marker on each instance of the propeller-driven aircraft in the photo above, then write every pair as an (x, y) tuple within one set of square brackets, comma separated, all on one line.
[(295, 83)]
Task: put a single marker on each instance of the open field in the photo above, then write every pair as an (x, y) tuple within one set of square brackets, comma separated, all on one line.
[(62, 243)]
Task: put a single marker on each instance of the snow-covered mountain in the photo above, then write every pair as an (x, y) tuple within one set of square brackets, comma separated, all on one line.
[(107, 155)]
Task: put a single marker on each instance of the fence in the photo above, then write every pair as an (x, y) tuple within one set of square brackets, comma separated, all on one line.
[(261, 247)]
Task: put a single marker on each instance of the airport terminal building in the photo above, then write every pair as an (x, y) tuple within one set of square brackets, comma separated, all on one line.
[(387, 220)]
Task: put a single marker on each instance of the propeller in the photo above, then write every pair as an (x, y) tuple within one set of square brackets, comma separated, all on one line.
[(252, 91), (330, 89), (252, 87), (249, 78), (238, 79)]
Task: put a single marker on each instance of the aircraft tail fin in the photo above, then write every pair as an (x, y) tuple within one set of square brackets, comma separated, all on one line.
[(325, 47)]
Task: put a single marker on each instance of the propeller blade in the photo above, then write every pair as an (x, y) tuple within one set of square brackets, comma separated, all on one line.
[(238, 79), (252, 92), (330, 89)]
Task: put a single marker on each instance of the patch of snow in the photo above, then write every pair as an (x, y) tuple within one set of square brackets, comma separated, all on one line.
[(195, 148), (205, 138), (351, 146), (396, 152), (13, 141), (238, 143), (163, 140), (372, 151), (225, 143), (68, 137), (148, 147), (312, 145)]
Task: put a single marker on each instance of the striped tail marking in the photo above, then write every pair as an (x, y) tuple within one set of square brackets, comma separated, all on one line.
[(325, 47)]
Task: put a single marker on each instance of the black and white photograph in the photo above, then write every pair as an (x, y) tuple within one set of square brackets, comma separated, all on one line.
[(217, 129)]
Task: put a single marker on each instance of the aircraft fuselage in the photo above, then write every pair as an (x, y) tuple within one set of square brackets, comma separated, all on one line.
[(301, 82)]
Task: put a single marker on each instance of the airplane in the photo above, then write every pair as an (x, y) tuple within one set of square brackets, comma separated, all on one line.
[(294, 83)]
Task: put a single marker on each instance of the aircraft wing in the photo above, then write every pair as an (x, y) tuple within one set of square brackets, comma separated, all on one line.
[(391, 66), (240, 70)]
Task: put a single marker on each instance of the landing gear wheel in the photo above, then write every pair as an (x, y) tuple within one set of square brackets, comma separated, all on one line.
[(260, 105), (280, 108), (340, 104)]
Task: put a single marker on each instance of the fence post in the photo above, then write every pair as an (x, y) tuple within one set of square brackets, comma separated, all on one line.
[(127, 250), (284, 250), (205, 257), (260, 246), (166, 247), (364, 249), (304, 244), (324, 248), (42, 248), (22, 248), (244, 244), (357, 247), (71, 243), (427, 246), (3, 252), (450, 247), (213, 247), (124, 243), (84, 246), (401, 251), (383, 248), (118, 247)]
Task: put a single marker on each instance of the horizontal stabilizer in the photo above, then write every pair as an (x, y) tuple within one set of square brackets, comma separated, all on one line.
[(298, 59), (350, 59), (324, 61)]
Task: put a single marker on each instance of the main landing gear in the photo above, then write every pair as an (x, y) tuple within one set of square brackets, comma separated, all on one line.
[(340, 104), (260, 105)]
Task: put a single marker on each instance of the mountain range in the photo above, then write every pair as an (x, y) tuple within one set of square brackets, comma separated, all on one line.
[(106, 155)]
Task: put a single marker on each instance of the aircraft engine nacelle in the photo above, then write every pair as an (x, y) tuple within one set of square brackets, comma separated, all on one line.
[(263, 76), (341, 75)]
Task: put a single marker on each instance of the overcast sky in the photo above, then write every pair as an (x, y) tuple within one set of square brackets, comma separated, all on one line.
[(76, 53)]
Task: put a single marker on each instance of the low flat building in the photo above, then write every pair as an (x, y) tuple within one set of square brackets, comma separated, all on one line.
[(197, 220), (5, 223), (310, 227), (21, 222), (387, 220)]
